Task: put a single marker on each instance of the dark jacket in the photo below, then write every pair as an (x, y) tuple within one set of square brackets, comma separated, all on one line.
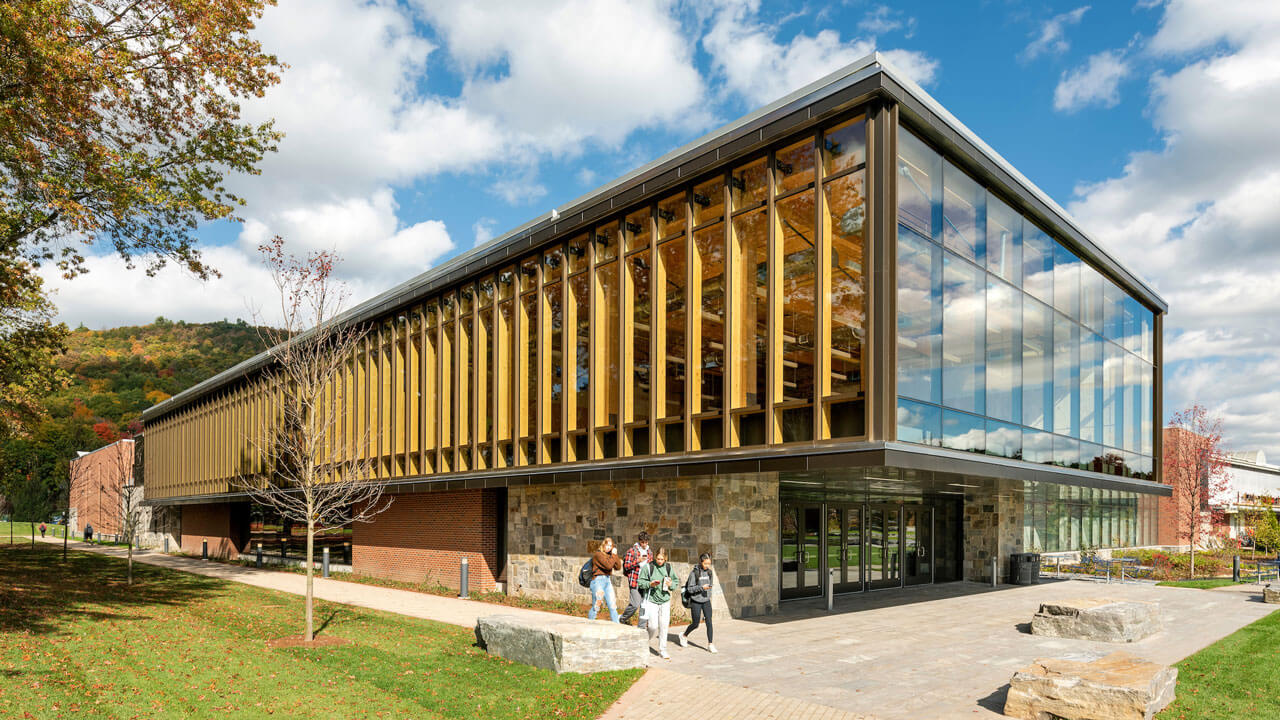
[(697, 578)]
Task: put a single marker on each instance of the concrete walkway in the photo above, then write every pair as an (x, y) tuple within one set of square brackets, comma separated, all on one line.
[(403, 602)]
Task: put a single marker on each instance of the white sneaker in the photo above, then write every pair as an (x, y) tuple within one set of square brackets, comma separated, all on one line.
[(711, 647), (664, 655), (684, 642)]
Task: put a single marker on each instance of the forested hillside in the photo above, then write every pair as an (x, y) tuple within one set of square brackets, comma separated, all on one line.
[(113, 376)]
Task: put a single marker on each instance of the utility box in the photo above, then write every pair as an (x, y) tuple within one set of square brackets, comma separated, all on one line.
[(1024, 568)]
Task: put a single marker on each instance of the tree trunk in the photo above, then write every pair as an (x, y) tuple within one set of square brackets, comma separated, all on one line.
[(33, 536), (311, 541), (1193, 560), (66, 533), (130, 581)]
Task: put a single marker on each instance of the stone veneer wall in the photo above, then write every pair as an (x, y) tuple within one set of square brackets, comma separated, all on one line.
[(553, 528), (992, 523)]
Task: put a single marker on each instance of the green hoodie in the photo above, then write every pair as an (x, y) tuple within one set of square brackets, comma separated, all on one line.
[(653, 572)]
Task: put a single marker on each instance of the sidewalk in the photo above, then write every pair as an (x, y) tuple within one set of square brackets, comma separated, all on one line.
[(663, 694), (454, 611)]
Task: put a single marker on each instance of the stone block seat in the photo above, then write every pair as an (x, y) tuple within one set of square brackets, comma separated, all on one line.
[(1100, 619), (1271, 595), (567, 644), (1118, 686)]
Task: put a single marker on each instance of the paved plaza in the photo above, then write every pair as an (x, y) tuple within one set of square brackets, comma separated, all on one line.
[(940, 651)]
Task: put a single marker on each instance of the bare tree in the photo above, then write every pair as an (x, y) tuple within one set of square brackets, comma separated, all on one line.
[(129, 496), (302, 469), (1195, 467)]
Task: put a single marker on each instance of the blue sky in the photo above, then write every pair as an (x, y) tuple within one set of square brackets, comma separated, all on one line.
[(415, 128)]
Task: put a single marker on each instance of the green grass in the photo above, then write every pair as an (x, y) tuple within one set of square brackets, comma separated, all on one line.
[(1235, 677), (75, 641), (23, 530), (1198, 584)]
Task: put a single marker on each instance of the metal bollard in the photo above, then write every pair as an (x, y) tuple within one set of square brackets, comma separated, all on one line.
[(324, 563), (204, 549), (166, 544), (346, 553), (1235, 568), (284, 546), (258, 560), (831, 589), (465, 571), (995, 571)]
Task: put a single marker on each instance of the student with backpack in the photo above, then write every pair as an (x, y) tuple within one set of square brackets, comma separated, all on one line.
[(697, 597), (659, 580), (603, 562)]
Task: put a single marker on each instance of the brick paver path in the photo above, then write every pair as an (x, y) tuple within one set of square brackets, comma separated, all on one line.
[(664, 694)]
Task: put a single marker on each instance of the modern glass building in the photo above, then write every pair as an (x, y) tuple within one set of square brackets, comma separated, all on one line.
[(837, 338)]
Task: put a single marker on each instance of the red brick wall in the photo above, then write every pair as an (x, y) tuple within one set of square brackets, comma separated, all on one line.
[(212, 522), (96, 480), (423, 538)]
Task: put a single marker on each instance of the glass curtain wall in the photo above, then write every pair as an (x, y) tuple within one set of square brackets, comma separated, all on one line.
[(1059, 518), (1008, 343)]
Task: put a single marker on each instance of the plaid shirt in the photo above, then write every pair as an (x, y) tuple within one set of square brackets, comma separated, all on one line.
[(632, 561)]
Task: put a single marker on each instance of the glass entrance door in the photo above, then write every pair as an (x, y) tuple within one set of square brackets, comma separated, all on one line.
[(917, 544), (801, 532), (884, 548), (844, 546)]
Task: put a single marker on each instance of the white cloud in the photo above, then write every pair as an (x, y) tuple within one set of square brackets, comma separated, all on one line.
[(883, 19), (483, 229), (1053, 36), (1198, 215), (1097, 82), (755, 65), (519, 189)]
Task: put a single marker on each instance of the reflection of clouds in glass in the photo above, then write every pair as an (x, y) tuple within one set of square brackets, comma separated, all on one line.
[(1004, 441)]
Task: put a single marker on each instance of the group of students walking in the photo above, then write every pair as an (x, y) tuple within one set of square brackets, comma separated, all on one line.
[(653, 583)]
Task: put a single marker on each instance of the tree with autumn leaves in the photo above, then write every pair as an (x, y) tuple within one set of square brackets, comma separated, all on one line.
[(1195, 467), (120, 122)]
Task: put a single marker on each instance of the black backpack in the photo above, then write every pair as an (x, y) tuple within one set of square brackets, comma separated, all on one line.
[(584, 575)]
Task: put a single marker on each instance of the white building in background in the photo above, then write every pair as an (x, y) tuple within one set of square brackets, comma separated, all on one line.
[(1251, 479)]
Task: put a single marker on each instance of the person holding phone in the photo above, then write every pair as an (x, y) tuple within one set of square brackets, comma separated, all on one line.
[(698, 588), (603, 562), (659, 580)]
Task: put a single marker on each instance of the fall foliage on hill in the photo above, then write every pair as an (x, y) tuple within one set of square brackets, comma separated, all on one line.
[(115, 375)]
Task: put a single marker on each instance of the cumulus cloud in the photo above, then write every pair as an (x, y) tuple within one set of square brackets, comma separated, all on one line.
[(1052, 35), (1198, 214), (745, 51), (1097, 82), (483, 229)]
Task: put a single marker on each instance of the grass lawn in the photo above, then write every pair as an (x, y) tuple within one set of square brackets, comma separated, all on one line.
[(1235, 677), (75, 641), (23, 530), (1208, 584)]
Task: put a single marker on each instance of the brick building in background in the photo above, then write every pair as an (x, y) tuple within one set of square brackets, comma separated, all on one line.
[(1251, 482), (98, 480)]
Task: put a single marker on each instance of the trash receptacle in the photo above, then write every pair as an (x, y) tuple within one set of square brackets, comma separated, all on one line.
[(1025, 568)]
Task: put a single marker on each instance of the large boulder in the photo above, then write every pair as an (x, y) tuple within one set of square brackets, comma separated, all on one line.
[(1118, 686), (1097, 619), (1271, 595), (566, 644)]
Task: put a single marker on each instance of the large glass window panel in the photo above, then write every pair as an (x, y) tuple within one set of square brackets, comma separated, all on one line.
[(796, 218), (794, 166), (1004, 440), (1066, 451), (963, 207), (919, 423), (1037, 364), (710, 247), (1113, 309), (963, 335), (1004, 351), (580, 289), (1113, 396), (638, 265), (1146, 438), (671, 215), (1037, 447), (846, 213), (1132, 308), (1091, 299), (1146, 329), (1004, 241), (606, 242), (672, 256), (1066, 281), (751, 233), (607, 345), (1132, 403), (1091, 363), (1066, 376), (1037, 263), (919, 317), (638, 229), (962, 431), (576, 252), (529, 303), (749, 184), (844, 147), (555, 359), (708, 201), (919, 186)]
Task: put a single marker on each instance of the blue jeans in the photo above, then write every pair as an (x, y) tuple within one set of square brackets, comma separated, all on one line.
[(601, 588)]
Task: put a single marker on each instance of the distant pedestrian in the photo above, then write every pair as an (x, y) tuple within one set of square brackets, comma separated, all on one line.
[(603, 562), (635, 561), (88, 532), (659, 580), (698, 590), (43, 527)]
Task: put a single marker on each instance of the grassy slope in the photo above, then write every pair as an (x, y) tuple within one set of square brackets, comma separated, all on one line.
[(1198, 584), (23, 530), (76, 642), (1236, 677)]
